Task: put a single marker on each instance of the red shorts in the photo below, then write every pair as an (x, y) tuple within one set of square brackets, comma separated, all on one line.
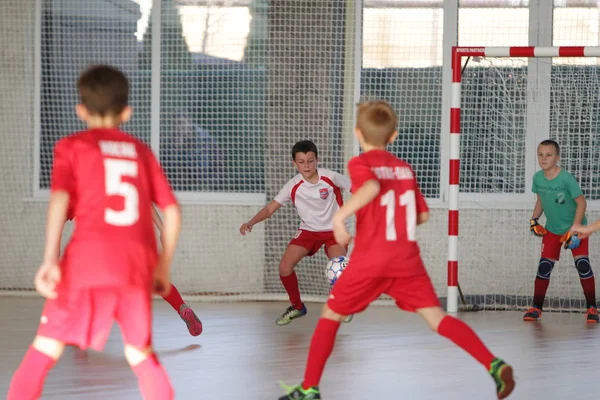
[(313, 241), (353, 293), (551, 247), (85, 318)]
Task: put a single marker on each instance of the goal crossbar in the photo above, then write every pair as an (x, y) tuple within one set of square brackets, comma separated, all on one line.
[(455, 129)]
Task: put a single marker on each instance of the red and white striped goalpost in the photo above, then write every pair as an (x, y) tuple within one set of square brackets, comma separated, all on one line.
[(454, 174)]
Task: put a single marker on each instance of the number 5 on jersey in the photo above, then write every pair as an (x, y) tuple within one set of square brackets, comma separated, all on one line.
[(114, 171), (407, 199)]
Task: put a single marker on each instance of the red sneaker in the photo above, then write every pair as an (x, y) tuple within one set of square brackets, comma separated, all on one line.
[(191, 320), (533, 314), (591, 315)]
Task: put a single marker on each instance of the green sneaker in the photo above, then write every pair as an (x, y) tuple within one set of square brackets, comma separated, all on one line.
[(503, 376), (297, 393), (290, 314), (349, 318)]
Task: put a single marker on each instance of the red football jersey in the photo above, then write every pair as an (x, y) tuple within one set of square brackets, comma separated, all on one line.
[(385, 244), (112, 179)]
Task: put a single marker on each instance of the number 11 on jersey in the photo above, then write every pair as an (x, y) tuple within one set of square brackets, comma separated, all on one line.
[(407, 200)]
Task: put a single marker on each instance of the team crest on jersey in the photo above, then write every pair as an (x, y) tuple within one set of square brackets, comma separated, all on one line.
[(324, 193)]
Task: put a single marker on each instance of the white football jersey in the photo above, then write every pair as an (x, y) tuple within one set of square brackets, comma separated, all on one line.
[(316, 203)]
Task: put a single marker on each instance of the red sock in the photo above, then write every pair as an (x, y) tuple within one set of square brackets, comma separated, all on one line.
[(153, 380), (463, 336), (539, 292), (589, 290), (28, 380), (321, 346), (290, 283), (174, 298)]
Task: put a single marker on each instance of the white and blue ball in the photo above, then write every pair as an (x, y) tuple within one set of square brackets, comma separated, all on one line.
[(335, 267)]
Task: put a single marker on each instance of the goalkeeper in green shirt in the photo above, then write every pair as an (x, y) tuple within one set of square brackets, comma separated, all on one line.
[(561, 199)]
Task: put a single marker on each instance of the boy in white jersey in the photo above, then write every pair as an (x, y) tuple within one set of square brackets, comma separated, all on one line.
[(317, 195)]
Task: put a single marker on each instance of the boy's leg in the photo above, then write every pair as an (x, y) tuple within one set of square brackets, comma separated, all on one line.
[(174, 298), (336, 250), (550, 254), (134, 315), (321, 346), (586, 276), (587, 279), (292, 256), (417, 294), (352, 293), (459, 332), (463, 336), (185, 312), (28, 380), (153, 380)]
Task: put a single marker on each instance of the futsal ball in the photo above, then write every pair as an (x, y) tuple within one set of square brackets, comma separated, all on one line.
[(335, 267)]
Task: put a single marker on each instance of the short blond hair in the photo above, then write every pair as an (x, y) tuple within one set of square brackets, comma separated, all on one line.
[(376, 121)]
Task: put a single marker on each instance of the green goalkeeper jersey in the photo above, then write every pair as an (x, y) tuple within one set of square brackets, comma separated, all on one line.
[(557, 196)]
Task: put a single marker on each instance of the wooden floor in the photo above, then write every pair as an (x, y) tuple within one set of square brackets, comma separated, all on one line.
[(382, 354)]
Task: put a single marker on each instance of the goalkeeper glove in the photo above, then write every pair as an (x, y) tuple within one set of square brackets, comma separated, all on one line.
[(571, 241), (536, 228)]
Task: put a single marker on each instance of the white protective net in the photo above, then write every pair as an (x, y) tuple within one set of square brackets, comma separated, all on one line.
[(242, 80)]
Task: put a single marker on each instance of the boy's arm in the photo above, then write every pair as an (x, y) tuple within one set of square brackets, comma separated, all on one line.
[(363, 196), (538, 210), (158, 223), (157, 220), (342, 181), (170, 232), (48, 275), (260, 216), (577, 195), (534, 226), (422, 207), (57, 215), (580, 211), (585, 230), (170, 237)]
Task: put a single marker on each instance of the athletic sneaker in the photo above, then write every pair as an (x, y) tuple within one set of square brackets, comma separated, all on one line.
[(297, 393), (533, 314), (592, 315), (291, 314), (349, 318), (191, 320), (503, 376)]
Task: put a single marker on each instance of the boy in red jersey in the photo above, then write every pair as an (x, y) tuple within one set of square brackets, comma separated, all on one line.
[(111, 264), (386, 257), (193, 323), (317, 195)]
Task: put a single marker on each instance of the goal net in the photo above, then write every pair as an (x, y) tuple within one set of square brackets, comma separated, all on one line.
[(505, 101)]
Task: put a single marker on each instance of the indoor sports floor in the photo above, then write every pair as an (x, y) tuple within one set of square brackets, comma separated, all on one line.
[(382, 354)]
